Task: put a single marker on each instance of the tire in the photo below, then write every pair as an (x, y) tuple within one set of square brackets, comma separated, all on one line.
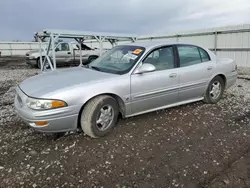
[(91, 121), (38, 62), (212, 97)]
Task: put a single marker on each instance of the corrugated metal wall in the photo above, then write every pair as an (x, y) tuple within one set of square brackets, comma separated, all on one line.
[(17, 48), (232, 42)]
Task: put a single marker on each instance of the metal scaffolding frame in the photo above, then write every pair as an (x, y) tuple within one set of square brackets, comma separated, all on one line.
[(80, 37)]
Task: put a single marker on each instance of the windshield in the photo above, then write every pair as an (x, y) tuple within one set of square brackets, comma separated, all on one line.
[(118, 60)]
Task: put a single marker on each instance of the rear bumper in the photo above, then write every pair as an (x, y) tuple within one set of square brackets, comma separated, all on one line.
[(59, 120), (231, 79)]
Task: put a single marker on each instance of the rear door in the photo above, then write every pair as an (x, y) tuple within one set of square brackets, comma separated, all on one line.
[(195, 71)]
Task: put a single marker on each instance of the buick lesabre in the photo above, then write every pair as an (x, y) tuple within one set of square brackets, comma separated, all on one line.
[(128, 80)]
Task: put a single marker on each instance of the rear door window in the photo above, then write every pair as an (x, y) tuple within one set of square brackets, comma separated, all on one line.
[(189, 55), (204, 55)]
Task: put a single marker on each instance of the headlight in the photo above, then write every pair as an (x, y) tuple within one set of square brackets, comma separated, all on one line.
[(44, 104)]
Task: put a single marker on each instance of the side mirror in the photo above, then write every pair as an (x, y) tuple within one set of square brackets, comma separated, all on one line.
[(146, 67), (57, 49)]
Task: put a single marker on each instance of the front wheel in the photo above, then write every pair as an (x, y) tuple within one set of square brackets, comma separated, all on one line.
[(215, 90), (99, 116), (38, 65), (46, 66)]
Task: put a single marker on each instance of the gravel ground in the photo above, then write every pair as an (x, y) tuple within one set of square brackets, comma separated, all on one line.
[(195, 145)]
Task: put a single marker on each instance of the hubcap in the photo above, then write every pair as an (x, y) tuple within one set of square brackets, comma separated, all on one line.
[(215, 90), (105, 117), (47, 66)]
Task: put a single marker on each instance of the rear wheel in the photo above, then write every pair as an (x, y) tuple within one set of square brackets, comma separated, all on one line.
[(215, 90), (99, 116)]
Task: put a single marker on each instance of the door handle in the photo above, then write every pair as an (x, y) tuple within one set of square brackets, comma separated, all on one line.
[(209, 68), (173, 75), (69, 52)]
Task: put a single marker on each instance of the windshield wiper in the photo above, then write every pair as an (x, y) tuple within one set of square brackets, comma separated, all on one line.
[(117, 68), (94, 67)]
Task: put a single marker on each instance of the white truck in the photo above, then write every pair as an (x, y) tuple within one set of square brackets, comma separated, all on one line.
[(66, 53)]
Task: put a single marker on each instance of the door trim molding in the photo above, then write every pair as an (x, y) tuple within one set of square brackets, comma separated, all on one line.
[(193, 85), (167, 106), (156, 92)]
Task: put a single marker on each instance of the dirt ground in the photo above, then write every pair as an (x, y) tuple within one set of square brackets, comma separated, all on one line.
[(191, 146)]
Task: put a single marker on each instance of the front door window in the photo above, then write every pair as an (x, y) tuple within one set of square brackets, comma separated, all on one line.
[(62, 47), (162, 58)]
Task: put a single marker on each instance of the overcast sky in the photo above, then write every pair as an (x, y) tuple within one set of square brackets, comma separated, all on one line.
[(19, 19)]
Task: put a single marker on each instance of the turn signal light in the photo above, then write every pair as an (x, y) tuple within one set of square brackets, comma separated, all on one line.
[(58, 104), (41, 123)]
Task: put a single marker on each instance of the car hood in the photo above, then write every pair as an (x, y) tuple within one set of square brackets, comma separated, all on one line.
[(48, 82), (32, 51)]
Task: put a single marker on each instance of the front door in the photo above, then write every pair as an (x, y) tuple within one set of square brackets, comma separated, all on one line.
[(195, 71), (63, 53), (159, 88)]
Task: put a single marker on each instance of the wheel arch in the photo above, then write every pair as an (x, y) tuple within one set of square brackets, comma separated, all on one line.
[(38, 58), (120, 102), (90, 56), (93, 56), (223, 77), (89, 59)]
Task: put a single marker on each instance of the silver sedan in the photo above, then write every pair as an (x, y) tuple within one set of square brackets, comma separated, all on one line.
[(128, 80)]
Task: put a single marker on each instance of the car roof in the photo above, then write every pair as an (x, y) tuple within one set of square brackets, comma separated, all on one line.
[(152, 44)]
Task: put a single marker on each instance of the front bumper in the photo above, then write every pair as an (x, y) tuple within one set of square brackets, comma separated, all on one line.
[(30, 61), (59, 120)]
